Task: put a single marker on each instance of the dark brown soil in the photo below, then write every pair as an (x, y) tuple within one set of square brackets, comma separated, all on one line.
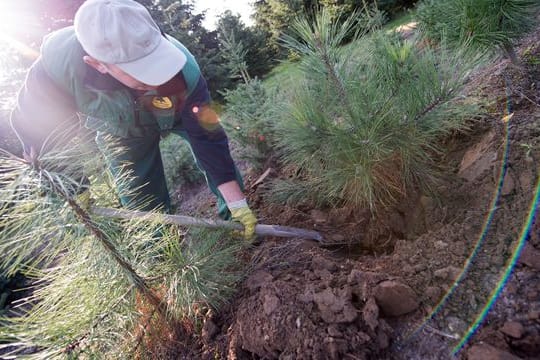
[(424, 281)]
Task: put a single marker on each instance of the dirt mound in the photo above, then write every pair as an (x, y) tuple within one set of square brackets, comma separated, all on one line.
[(300, 302)]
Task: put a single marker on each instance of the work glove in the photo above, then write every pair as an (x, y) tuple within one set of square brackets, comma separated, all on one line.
[(84, 200), (241, 213)]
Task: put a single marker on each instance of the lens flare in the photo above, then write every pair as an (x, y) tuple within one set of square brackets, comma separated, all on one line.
[(506, 275), (469, 262), (510, 264)]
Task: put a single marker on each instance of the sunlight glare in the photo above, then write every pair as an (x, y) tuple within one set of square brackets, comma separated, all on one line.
[(9, 17)]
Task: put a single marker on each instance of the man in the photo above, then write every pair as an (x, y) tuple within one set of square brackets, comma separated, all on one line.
[(132, 83)]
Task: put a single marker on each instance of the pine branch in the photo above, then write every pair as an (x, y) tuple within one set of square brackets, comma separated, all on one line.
[(138, 281), (77, 343), (428, 108)]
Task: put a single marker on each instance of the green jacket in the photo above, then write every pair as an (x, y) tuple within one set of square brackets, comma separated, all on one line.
[(60, 85)]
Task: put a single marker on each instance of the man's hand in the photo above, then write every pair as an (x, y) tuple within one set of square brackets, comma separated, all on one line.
[(84, 200), (241, 213)]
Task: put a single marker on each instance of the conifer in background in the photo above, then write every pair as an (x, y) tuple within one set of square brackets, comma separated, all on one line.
[(480, 25), (248, 107)]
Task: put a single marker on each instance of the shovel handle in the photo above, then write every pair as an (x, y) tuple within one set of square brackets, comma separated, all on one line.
[(260, 229)]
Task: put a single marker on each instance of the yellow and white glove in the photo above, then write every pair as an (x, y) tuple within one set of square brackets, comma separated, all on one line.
[(241, 213), (84, 200)]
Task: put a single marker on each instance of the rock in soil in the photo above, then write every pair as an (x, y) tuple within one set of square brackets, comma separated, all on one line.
[(513, 329), (308, 311), (488, 352), (395, 298), (530, 257)]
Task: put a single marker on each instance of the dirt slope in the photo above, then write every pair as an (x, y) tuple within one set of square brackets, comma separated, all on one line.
[(404, 293)]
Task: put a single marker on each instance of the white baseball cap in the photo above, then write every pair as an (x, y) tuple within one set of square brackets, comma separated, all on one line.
[(122, 32)]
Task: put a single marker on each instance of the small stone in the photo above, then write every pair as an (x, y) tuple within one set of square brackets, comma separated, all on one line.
[(453, 273), (335, 347), (338, 238), (209, 330), (370, 313), (533, 315), (513, 329), (525, 181), (509, 184), (488, 352), (325, 275), (440, 274), (420, 267), (530, 256), (382, 340), (456, 325), (333, 331), (440, 245), (318, 216), (395, 298), (459, 248), (271, 302), (335, 308), (363, 337), (433, 293), (448, 273)]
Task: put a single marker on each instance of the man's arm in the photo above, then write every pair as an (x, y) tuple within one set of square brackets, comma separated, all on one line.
[(231, 191), (211, 147)]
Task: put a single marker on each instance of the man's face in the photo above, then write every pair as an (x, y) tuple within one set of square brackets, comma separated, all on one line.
[(118, 74), (127, 79)]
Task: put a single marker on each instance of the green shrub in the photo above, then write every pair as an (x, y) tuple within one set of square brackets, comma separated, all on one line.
[(478, 24), (361, 126), (247, 118), (180, 167)]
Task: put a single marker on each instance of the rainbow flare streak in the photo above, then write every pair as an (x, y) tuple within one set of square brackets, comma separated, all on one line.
[(508, 271), (515, 255), (469, 262)]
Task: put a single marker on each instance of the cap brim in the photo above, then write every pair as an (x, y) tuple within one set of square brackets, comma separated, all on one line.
[(159, 66)]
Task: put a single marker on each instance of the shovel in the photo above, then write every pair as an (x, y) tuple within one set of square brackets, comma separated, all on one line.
[(260, 229)]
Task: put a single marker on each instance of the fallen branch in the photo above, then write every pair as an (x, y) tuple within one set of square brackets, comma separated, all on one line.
[(262, 177)]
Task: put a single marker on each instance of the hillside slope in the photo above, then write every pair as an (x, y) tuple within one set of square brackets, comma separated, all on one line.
[(424, 275)]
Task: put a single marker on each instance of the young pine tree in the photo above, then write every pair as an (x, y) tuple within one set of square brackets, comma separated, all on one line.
[(99, 286), (360, 128)]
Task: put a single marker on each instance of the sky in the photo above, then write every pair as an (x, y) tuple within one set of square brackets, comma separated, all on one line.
[(243, 7)]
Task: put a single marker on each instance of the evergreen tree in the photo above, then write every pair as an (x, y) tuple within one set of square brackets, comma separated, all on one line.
[(257, 56), (479, 25), (100, 287), (362, 123), (274, 17)]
